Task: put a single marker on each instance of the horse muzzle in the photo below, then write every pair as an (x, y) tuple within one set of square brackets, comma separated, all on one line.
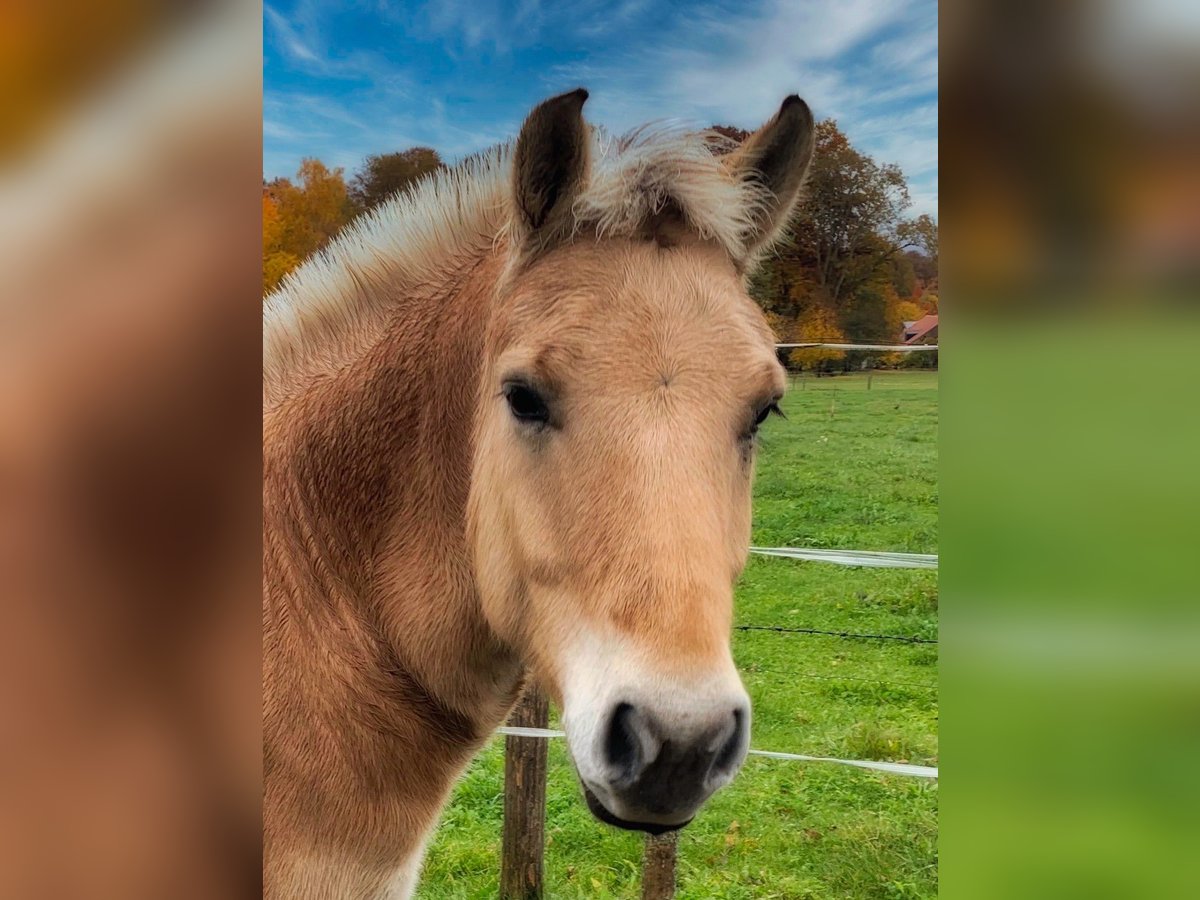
[(654, 776)]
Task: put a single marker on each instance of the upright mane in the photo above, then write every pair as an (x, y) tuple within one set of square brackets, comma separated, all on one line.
[(334, 305)]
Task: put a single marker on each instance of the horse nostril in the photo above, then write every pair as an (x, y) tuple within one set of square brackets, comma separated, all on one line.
[(730, 753), (622, 744)]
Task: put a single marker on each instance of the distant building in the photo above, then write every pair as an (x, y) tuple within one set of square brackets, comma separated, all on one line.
[(922, 331)]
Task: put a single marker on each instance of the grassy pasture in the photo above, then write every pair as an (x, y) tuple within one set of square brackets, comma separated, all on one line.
[(849, 468)]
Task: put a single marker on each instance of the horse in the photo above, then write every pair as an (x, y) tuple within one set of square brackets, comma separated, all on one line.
[(509, 431)]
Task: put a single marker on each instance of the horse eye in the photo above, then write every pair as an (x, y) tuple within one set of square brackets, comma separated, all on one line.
[(526, 404), (761, 416)]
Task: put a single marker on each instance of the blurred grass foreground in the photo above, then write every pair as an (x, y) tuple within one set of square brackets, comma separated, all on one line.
[(129, 450)]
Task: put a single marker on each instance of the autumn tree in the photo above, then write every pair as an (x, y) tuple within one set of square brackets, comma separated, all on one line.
[(817, 324), (924, 270), (922, 232), (301, 217), (276, 262), (851, 253), (315, 208), (734, 135), (850, 224), (385, 174), (910, 311)]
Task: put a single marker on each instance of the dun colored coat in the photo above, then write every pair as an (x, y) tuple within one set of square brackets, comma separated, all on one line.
[(509, 426)]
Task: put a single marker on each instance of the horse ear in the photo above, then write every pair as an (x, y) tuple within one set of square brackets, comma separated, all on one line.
[(777, 157), (550, 165)]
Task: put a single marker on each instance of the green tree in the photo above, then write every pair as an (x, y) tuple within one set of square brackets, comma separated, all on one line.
[(385, 174)]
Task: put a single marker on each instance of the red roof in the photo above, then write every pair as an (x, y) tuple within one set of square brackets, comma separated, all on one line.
[(920, 330)]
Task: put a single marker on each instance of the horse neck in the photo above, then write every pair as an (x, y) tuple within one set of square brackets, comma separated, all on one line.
[(367, 491)]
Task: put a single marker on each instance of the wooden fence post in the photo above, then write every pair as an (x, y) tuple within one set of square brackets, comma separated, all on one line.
[(524, 800), (658, 866)]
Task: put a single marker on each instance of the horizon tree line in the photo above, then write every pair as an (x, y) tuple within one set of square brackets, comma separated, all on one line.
[(853, 268)]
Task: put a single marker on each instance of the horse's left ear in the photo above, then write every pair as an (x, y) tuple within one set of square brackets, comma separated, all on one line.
[(777, 157), (550, 165)]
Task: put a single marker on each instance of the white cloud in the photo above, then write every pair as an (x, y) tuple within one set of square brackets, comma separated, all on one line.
[(861, 62), (279, 131), (288, 38), (870, 64), (301, 38), (298, 124)]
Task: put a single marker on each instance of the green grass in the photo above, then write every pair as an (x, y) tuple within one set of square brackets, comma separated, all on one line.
[(849, 468)]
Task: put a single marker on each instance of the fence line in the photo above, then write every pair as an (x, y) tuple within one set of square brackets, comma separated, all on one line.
[(889, 767), (902, 638), (866, 558), (890, 348), (876, 681)]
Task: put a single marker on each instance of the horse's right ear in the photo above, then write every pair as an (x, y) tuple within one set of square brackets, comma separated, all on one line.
[(550, 166)]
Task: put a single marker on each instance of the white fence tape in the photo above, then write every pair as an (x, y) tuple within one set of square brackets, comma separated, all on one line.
[(893, 768), (892, 348), (890, 767), (873, 558), (518, 731)]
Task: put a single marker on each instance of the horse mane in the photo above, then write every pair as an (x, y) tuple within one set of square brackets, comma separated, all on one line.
[(333, 304)]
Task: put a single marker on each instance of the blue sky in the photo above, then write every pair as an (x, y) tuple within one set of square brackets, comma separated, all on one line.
[(345, 79)]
